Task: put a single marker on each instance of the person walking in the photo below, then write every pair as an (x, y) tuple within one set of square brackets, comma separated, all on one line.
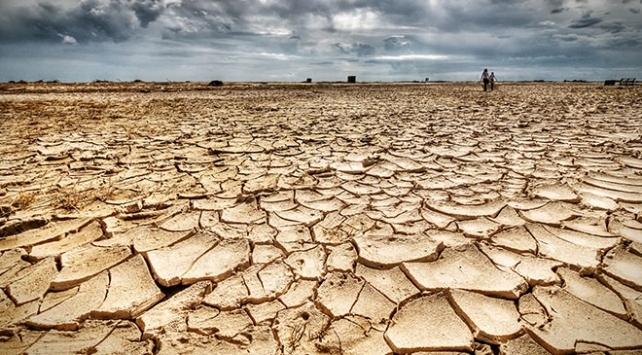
[(485, 78), (492, 79)]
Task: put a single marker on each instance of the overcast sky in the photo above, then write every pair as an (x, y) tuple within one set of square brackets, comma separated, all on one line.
[(326, 40)]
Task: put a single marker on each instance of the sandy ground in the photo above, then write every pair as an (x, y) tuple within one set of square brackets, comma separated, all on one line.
[(337, 219)]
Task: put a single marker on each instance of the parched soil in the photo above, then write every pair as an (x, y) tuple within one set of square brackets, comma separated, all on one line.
[(177, 218)]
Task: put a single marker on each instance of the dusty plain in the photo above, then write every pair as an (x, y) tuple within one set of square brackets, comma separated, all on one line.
[(178, 218)]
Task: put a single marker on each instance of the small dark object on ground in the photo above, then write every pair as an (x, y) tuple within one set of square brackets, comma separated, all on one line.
[(215, 83), (352, 79), (308, 80), (609, 82), (627, 81)]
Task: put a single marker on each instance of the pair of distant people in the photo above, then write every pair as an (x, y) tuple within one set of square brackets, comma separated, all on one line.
[(488, 79)]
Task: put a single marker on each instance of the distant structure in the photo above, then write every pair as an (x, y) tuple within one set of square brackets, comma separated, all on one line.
[(427, 80), (352, 79), (308, 80), (627, 81), (215, 83)]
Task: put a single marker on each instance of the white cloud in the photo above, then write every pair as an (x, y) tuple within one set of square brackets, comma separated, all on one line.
[(356, 20), (547, 23), (68, 39)]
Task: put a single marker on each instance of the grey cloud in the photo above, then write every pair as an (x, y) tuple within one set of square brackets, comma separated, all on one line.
[(363, 50), (147, 11), (567, 38), (555, 3), (585, 22), (635, 11), (360, 49), (614, 27), (397, 43), (88, 20), (239, 34)]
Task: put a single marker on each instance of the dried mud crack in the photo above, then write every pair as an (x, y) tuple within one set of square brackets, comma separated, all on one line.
[(320, 219)]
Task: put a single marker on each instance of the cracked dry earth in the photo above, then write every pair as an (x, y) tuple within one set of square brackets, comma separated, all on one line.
[(320, 219)]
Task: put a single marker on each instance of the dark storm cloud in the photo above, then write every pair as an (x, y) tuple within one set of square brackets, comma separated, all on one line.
[(88, 20), (615, 27), (294, 37), (147, 11), (585, 22)]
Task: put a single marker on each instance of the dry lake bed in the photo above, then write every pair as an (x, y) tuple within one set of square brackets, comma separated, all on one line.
[(178, 218)]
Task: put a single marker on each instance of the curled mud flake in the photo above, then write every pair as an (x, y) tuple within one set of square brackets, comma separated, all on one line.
[(553, 213), (131, 291), (12, 314), (82, 340), (171, 314), (536, 271), (294, 238), (624, 266), (352, 335), (374, 306), (51, 231), (460, 211), (169, 264), (79, 265), (182, 222), (556, 192), (573, 320), (492, 320), (517, 239), (298, 329), (381, 247), (229, 294), (67, 314), (302, 215), (308, 264), (87, 234), (219, 262), (19, 341), (428, 315), (632, 299), (626, 230), (264, 313), (522, 345), (149, 238), (338, 293), (467, 269), (591, 291), (479, 228), (247, 212), (559, 249), (341, 257), (32, 282)]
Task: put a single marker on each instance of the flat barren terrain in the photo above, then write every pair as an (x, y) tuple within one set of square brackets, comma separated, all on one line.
[(178, 218)]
